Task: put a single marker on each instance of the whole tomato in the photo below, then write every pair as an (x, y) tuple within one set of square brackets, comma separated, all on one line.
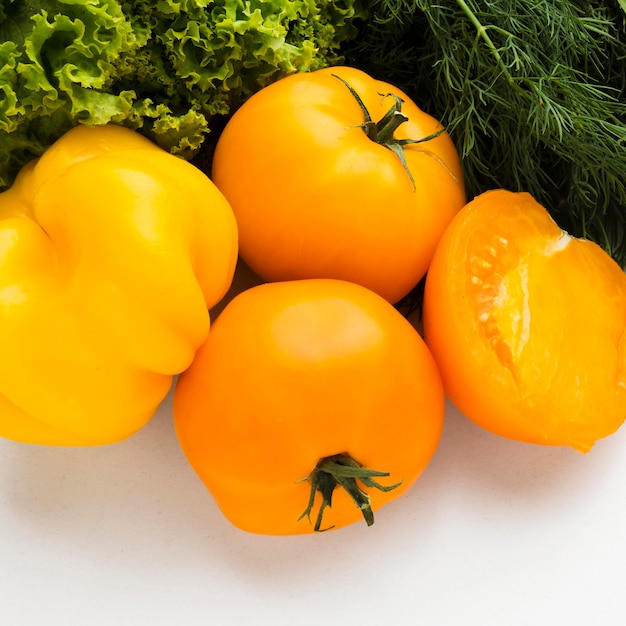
[(312, 403), (527, 324), (332, 174)]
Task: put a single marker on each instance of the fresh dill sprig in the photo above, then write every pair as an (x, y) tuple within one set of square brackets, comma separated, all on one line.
[(532, 92)]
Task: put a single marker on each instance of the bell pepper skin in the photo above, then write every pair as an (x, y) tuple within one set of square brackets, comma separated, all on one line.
[(111, 253)]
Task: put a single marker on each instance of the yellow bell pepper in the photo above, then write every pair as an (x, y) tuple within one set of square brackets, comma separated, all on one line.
[(111, 253)]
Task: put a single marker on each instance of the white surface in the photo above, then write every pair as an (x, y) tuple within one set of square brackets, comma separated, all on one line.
[(495, 533)]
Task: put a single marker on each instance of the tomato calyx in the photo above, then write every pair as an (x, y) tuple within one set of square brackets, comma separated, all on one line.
[(382, 132), (341, 470)]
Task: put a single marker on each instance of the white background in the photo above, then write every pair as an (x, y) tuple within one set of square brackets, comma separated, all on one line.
[(495, 533)]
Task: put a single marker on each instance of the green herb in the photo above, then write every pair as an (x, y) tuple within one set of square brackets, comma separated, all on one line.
[(533, 94), (169, 68)]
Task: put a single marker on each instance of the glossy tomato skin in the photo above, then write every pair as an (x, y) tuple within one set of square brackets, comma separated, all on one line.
[(314, 197), (527, 324), (296, 371)]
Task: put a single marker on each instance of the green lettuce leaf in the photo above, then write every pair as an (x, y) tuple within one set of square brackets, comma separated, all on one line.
[(168, 68)]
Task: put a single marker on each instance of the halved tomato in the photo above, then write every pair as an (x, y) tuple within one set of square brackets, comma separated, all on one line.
[(527, 324)]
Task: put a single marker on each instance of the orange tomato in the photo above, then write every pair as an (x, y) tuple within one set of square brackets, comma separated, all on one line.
[(317, 196), (527, 324), (300, 387)]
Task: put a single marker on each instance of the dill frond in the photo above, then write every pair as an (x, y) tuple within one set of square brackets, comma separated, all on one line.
[(533, 94)]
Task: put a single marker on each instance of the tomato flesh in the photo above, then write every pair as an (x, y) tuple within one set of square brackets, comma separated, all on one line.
[(527, 324)]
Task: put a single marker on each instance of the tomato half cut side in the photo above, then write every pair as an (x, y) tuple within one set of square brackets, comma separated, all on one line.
[(527, 324)]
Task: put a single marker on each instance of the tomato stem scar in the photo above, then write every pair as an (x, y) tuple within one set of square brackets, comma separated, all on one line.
[(382, 132), (343, 471)]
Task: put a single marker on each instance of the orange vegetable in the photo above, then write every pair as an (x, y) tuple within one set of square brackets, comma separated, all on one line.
[(527, 324), (300, 387), (321, 190)]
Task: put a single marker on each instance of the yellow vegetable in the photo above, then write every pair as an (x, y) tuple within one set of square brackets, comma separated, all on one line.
[(111, 253)]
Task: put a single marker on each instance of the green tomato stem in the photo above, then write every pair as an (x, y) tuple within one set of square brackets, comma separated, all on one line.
[(382, 132), (341, 470)]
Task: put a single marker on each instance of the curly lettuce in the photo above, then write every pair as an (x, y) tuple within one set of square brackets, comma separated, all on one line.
[(168, 68)]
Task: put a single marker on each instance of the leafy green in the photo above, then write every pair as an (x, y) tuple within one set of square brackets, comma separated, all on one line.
[(168, 68), (533, 94)]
